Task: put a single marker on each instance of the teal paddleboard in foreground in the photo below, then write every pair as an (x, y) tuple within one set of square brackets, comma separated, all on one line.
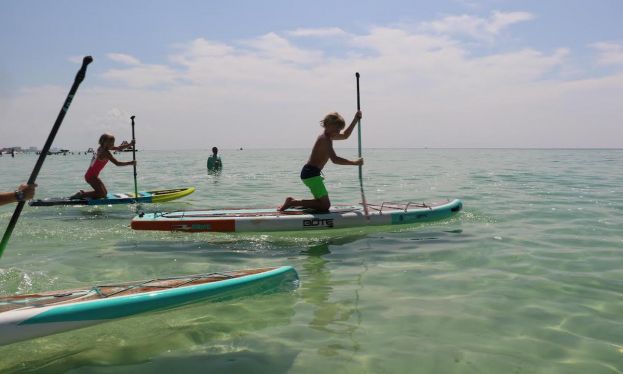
[(25, 317)]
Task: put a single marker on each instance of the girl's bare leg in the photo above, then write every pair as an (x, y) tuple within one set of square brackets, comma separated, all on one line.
[(99, 189)]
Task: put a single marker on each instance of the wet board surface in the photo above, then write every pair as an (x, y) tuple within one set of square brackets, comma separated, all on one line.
[(271, 219)]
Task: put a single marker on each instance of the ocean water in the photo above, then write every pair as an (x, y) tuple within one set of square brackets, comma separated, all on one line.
[(526, 279)]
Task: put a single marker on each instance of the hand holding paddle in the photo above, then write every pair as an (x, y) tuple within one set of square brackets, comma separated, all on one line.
[(46, 148)]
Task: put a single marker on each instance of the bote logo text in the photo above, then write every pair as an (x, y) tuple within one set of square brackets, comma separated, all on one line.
[(318, 222)]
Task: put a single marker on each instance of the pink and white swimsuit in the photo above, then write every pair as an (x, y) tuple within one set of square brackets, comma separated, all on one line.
[(95, 168)]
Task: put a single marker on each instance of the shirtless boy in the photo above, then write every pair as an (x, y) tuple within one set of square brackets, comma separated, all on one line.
[(322, 152)]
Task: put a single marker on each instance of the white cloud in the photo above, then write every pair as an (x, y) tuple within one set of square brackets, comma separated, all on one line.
[(139, 74), (469, 3), (476, 27), (143, 75), (418, 89), (401, 43), (276, 47), (609, 53), (124, 59), (202, 48), (318, 32), (500, 20)]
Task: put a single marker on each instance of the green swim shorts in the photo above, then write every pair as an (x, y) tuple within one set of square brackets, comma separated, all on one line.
[(316, 186)]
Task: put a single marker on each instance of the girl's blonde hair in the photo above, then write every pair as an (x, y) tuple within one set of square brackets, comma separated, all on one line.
[(106, 138), (333, 118)]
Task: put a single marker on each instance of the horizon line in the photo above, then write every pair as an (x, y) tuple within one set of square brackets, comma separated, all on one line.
[(298, 148)]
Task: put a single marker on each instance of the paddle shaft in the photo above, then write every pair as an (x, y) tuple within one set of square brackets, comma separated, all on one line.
[(363, 196), (46, 148), (134, 159)]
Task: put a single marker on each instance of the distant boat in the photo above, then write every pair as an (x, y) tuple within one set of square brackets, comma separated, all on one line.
[(125, 142)]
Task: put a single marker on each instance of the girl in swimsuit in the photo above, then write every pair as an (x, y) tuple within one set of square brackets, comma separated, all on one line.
[(99, 160)]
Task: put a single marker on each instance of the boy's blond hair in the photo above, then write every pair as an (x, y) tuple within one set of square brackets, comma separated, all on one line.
[(333, 118)]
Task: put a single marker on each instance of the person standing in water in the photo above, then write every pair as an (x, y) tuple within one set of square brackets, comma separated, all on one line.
[(322, 152), (99, 160), (214, 161)]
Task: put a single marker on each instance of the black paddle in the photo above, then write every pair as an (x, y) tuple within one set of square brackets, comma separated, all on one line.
[(363, 196), (134, 159), (46, 148)]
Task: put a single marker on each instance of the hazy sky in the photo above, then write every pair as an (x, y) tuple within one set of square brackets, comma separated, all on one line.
[(260, 74)]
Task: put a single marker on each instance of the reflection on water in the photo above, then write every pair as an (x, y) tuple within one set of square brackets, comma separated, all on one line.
[(339, 318), (214, 175)]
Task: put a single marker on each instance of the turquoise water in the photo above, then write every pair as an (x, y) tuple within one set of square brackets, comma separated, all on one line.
[(527, 279)]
